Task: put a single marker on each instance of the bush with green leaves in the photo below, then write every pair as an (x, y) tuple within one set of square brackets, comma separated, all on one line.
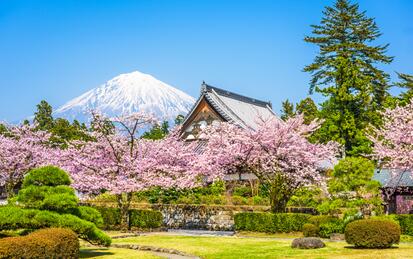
[(145, 219), (310, 230), (327, 225), (269, 222), (47, 200), (406, 223), (44, 243), (142, 219), (372, 233), (12, 218)]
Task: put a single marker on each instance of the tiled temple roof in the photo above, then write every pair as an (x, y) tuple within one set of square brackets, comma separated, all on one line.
[(234, 108)]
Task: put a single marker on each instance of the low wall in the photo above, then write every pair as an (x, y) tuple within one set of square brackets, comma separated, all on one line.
[(206, 217)]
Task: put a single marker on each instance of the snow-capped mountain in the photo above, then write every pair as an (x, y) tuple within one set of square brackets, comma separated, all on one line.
[(128, 93)]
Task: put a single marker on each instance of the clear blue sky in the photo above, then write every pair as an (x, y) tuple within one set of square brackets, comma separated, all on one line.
[(56, 50)]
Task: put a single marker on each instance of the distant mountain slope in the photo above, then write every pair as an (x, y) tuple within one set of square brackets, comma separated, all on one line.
[(128, 93)]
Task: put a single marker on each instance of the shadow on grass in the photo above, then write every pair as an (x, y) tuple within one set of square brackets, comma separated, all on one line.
[(366, 248), (94, 252)]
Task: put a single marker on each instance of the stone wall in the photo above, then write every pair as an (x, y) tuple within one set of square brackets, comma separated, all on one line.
[(203, 217), (197, 217)]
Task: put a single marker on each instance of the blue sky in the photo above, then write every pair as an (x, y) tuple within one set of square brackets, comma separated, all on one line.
[(56, 50)]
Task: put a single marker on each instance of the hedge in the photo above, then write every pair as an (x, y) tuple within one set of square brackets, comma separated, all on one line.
[(310, 230), (44, 243), (269, 222), (372, 233), (144, 219), (12, 218), (406, 223), (327, 225)]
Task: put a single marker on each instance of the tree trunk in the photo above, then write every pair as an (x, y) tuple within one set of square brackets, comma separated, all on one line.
[(10, 189), (124, 201), (280, 193)]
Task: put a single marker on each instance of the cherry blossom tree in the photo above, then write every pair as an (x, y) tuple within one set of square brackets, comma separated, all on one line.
[(393, 145), (277, 153), (21, 149), (122, 163)]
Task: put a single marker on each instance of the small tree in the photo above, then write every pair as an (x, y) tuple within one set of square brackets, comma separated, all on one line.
[(123, 163), (21, 149), (277, 153)]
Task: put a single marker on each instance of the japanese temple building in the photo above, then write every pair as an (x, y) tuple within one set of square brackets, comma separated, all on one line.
[(217, 105)]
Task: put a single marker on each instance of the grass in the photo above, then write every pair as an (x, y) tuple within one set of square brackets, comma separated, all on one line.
[(261, 247), (114, 253)]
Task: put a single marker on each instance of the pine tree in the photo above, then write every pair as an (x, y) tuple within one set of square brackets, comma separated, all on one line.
[(346, 72), (287, 110), (43, 116), (406, 81), (308, 108)]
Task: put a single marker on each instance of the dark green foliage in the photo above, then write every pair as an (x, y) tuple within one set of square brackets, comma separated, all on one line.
[(372, 233), (43, 116), (143, 219), (46, 176), (242, 191), (406, 223), (287, 110), (111, 217), (269, 222), (406, 81), (146, 219), (18, 218), (351, 182), (45, 243), (62, 132), (308, 109), (48, 201), (328, 228), (157, 131), (321, 219), (89, 214), (306, 197), (347, 72), (310, 230), (179, 119), (326, 225)]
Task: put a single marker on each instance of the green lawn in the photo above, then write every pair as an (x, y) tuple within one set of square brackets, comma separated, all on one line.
[(114, 253), (260, 247)]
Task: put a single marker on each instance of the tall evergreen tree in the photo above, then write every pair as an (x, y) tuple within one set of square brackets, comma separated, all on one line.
[(346, 72), (287, 110), (406, 81), (43, 116), (308, 108)]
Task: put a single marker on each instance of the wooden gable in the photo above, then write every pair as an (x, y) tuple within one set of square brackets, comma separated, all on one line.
[(203, 115)]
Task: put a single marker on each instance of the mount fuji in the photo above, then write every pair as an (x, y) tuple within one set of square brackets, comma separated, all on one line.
[(126, 94)]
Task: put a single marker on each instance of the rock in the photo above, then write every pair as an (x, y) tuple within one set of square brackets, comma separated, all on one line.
[(307, 243)]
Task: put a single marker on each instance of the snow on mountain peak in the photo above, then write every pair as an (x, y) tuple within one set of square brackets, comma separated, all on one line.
[(128, 93)]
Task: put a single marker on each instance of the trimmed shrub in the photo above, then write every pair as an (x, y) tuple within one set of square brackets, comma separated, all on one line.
[(269, 222), (17, 218), (46, 176), (406, 223), (45, 243), (310, 230), (89, 214), (326, 229), (372, 233), (145, 218), (111, 217)]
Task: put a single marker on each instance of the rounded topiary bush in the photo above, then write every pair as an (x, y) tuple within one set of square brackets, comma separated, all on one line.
[(372, 233), (45, 243), (310, 230), (46, 176)]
